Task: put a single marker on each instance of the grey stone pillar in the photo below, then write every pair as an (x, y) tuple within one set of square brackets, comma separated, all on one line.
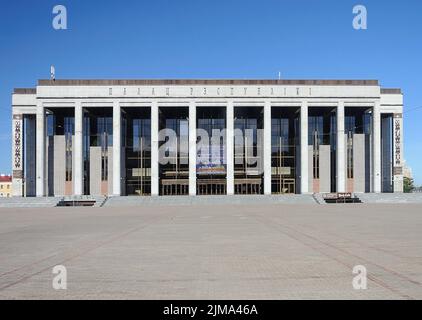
[(78, 150), (341, 156), (267, 148), (154, 149), (192, 148), (117, 149), (40, 150), (304, 186), (376, 148), (230, 147)]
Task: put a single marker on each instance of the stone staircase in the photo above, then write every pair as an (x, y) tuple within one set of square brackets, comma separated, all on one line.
[(75, 201), (49, 202), (319, 198), (390, 198), (208, 200), (334, 198), (18, 202), (100, 201)]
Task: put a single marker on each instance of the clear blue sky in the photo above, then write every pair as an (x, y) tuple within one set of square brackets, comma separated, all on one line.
[(303, 39)]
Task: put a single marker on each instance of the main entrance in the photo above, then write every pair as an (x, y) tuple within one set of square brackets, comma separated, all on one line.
[(211, 155), (174, 171)]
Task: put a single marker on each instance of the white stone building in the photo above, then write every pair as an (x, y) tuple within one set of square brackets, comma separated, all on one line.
[(101, 137)]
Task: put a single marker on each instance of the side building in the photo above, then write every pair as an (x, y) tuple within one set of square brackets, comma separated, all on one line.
[(105, 137), (5, 186)]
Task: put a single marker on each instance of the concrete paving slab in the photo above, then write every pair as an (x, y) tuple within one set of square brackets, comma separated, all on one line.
[(226, 251)]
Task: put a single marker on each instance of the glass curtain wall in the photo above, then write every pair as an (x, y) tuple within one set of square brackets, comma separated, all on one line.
[(285, 139), (387, 153), (211, 162), (60, 131), (358, 142), (136, 144), (174, 175), (98, 143), (248, 150), (322, 138)]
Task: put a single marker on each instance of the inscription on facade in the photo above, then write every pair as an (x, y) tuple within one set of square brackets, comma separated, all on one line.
[(17, 136), (397, 142)]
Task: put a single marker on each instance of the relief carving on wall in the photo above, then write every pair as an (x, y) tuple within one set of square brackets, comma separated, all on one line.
[(18, 140), (397, 141)]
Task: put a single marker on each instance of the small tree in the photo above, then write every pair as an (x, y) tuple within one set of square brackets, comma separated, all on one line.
[(408, 186)]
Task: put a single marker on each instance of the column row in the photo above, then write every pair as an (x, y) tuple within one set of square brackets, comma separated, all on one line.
[(303, 151)]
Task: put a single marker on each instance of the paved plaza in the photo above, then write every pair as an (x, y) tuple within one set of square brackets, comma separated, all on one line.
[(227, 251)]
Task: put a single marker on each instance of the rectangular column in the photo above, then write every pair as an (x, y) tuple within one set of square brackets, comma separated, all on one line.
[(154, 149), (78, 150), (304, 186), (117, 148), (17, 155), (376, 148), (40, 184), (267, 148), (230, 147), (192, 148), (341, 156)]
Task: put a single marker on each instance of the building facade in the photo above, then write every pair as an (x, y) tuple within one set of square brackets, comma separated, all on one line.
[(109, 137)]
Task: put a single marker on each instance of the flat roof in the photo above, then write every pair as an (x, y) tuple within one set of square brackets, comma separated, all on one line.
[(128, 82), (25, 91), (146, 82), (391, 91)]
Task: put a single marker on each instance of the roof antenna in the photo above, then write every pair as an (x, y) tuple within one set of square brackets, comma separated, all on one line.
[(52, 73), (279, 75)]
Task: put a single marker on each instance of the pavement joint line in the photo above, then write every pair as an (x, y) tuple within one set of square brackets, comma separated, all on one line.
[(374, 279), (360, 258), (28, 265), (24, 278), (367, 245), (200, 252)]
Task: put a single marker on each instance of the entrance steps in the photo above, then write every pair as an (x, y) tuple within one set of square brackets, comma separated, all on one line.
[(49, 202), (208, 200), (99, 201), (336, 198), (82, 201), (391, 198), (20, 202)]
